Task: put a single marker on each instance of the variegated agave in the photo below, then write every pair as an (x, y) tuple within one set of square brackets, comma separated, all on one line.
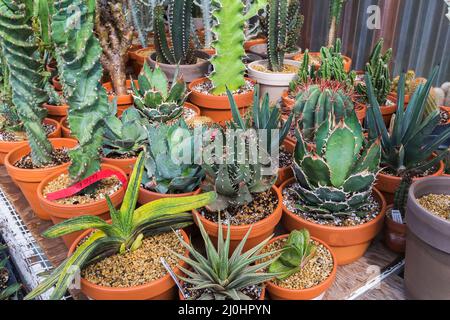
[(336, 179), (217, 275), (155, 99)]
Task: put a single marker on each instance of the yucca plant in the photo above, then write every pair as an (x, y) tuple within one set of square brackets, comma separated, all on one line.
[(335, 179), (406, 144), (129, 226), (126, 136), (217, 276), (297, 251), (162, 172), (155, 99), (6, 291)]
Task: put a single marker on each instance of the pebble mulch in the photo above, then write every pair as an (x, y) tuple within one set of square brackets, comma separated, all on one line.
[(437, 204), (59, 156)]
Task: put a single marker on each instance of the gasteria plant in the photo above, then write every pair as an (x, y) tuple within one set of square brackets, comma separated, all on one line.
[(155, 99), (229, 38), (406, 144), (163, 173), (21, 54), (128, 228), (179, 16), (297, 251), (219, 276), (78, 55), (335, 179)]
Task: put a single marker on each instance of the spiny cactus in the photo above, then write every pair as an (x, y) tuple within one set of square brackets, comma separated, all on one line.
[(378, 69), (295, 22), (335, 179), (9, 119), (142, 18), (206, 8), (315, 102), (21, 52), (78, 55), (335, 19), (155, 99), (332, 65), (276, 40), (229, 39), (181, 50), (401, 195)]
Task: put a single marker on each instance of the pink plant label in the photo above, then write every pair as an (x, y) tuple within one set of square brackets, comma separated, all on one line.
[(83, 184)]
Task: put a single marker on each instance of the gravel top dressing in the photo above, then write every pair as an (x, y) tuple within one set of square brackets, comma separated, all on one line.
[(426, 173), (254, 292), (437, 204), (285, 158), (136, 268), (59, 156), (12, 136), (315, 271), (287, 68), (206, 87)]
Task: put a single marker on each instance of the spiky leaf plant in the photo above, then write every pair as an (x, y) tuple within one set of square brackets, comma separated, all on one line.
[(154, 98), (407, 145), (217, 276), (229, 39), (124, 137), (129, 226), (335, 179), (297, 251), (141, 14), (22, 56), (164, 174)]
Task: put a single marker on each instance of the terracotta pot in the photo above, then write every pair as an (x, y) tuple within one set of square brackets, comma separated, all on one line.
[(56, 112), (7, 146), (146, 196), (260, 230), (65, 129), (218, 107), (123, 101), (347, 63), (61, 212), (190, 72), (348, 243), (316, 55), (394, 233), (28, 179), (388, 184), (209, 51), (314, 293), (249, 43), (261, 297), (286, 173), (287, 100), (56, 83), (161, 289), (427, 264), (272, 83), (193, 107), (395, 96), (388, 111), (138, 57), (126, 165), (361, 111)]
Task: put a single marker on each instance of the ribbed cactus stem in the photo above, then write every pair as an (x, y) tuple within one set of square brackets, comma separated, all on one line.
[(401, 195), (205, 6), (276, 41), (335, 19)]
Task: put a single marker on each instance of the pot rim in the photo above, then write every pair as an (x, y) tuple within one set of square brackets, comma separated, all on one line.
[(265, 62), (204, 79), (198, 54), (438, 173), (46, 120)]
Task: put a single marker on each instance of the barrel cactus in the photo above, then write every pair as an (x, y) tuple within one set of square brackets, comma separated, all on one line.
[(155, 99), (335, 179)]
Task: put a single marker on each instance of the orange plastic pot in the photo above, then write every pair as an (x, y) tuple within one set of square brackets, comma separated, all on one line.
[(210, 51), (250, 43), (7, 146), (218, 107), (388, 184), (28, 179), (261, 230), (123, 101), (314, 293), (347, 63), (388, 111), (146, 196), (61, 212), (126, 165), (138, 57), (56, 112), (56, 83), (65, 128), (287, 101), (161, 289), (347, 60), (347, 243), (286, 173), (261, 297), (394, 234)]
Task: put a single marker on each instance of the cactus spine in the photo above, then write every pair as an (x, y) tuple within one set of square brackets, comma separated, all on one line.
[(401, 195), (78, 55), (276, 41), (229, 39), (21, 51)]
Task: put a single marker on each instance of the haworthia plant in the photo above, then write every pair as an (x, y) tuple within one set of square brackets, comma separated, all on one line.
[(229, 39), (21, 51), (78, 56)]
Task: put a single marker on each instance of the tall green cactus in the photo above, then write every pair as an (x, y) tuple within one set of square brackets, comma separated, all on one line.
[(335, 18), (229, 39), (21, 51), (78, 55), (142, 18), (294, 25), (276, 41)]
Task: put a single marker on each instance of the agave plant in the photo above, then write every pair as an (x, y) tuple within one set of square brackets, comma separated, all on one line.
[(217, 276), (336, 178), (155, 99), (125, 136), (297, 251), (163, 174), (406, 144), (129, 226)]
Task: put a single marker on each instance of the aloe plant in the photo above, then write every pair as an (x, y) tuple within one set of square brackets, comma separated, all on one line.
[(78, 55), (22, 56), (129, 226), (407, 144)]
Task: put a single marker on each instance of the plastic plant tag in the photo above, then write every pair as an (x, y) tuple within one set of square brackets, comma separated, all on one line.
[(173, 275), (79, 186), (397, 216)]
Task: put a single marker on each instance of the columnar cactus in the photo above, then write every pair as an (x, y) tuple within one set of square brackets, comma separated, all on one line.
[(206, 8), (295, 22), (276, 40), (142, 18), (335, 18), (78, 55), (229, 39), (336, 178), (332, 65), (21, 51)]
